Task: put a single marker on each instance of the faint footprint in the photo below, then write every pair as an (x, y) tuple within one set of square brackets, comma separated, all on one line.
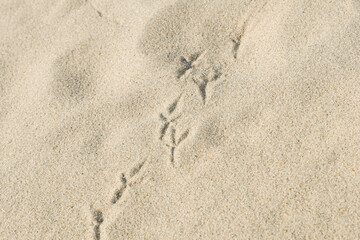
[(175, 142), (126, 182), (119, 192), (203, 81), (168, 128), (187, 65), (236, 45), (98, 219), (168, 118)]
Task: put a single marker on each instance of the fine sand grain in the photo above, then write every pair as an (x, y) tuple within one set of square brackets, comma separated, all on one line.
[(179, 119)]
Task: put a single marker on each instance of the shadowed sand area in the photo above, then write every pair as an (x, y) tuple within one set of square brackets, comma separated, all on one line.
[(179, 119)]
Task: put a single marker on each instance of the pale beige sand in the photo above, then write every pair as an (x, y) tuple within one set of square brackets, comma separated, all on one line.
[(179, 119)]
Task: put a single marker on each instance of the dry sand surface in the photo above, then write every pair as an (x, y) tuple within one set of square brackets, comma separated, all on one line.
[(179, 119)]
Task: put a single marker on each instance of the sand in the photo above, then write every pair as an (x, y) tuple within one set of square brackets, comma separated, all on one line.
[(179, 119)]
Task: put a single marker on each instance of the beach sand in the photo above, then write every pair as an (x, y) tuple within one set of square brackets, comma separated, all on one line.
[(179, 119)]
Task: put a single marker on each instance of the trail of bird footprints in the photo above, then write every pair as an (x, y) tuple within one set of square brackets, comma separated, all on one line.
[(171, 137), (126, 181), (169, 134)]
